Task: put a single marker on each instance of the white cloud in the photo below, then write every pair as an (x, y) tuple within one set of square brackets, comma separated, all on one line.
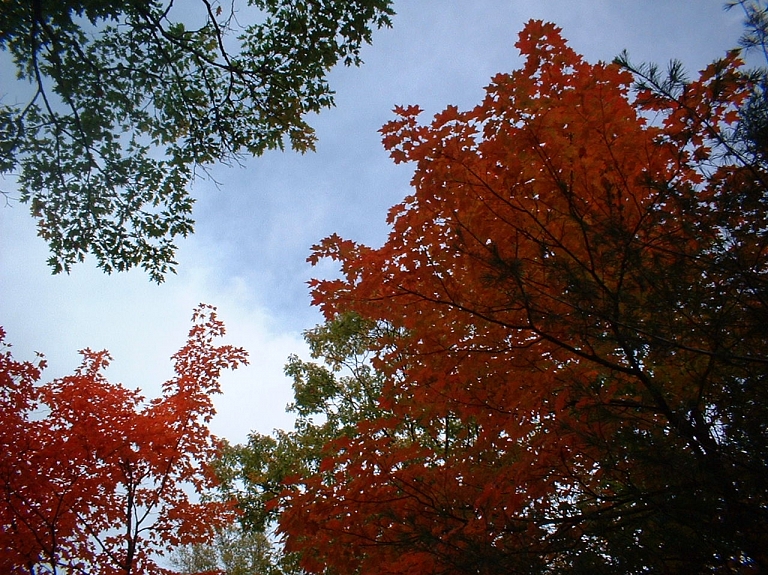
[(142, 324)]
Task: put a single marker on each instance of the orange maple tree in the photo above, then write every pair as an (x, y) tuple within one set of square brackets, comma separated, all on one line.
[(94, 479), (575, 295)]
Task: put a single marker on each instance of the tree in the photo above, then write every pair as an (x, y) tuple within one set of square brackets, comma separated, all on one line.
[(753, 124), (575, 296), (119, 104), (232, 552), (94, 479), (330, 399)]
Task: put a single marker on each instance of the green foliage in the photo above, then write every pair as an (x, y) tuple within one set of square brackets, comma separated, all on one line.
[(117, 105), (330, 399), (232, 551), (334, 399), (755, 34), (752, 132)]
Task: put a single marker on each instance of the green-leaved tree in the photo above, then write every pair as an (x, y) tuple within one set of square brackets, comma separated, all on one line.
[(117, 105)]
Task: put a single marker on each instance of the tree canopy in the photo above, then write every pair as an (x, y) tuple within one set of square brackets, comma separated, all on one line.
[(232, 551), (117, 105), (573, 311), (95, 479), (330, 398)]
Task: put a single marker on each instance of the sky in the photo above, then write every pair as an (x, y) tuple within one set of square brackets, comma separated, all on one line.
[(257, 222)]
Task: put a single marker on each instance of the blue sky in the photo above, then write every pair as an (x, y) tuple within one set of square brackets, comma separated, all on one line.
[(254, 230)]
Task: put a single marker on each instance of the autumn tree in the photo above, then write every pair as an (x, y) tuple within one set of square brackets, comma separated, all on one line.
[(94, 479), (334, 391), (575, 294), (118, 104)]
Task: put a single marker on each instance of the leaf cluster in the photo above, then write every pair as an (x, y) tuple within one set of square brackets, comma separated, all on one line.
[(334, 402), (118, 105), (94, 478), (330, 399), (232, 551)]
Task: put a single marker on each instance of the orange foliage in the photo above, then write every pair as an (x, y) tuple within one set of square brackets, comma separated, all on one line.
[(94, 479), (579, 328)]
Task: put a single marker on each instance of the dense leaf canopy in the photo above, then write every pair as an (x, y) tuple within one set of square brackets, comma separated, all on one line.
[(117, 104), (330, 399), (575, 302)]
